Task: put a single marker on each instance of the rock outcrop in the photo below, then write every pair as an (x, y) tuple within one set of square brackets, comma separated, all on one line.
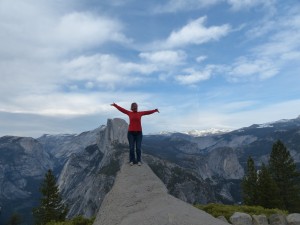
[(138, 196), (23, 164), (22, 161), (90, 170)]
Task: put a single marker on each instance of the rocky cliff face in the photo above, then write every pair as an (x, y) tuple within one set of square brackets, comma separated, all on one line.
[(22, 159), (86, 164), (221, 162), (89, 173), (23, 163)]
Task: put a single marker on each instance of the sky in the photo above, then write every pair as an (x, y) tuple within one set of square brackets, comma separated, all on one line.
[(222, 64)]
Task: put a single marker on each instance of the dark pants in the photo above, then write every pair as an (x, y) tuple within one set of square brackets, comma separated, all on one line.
[(135, 140)]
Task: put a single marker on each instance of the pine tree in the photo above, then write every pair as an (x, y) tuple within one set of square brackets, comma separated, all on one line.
[(51, 207), (268, 192), (15, 219), (284, 173), (249, 184)]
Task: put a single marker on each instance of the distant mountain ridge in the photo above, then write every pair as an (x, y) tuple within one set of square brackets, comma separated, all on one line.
[(196, 169)]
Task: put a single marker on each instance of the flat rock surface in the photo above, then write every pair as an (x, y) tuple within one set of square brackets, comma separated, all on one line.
[(140, 197)]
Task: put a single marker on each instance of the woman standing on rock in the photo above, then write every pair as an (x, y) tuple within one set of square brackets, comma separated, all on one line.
[(135, 134)]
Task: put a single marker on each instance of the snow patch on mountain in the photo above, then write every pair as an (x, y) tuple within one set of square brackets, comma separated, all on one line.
[(265, 125), (197, 133)]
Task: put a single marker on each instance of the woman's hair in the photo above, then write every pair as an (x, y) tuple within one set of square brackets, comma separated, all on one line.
[(133, 104)]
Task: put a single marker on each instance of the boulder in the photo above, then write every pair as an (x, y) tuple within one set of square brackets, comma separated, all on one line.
[(277, 219), (260, 220), (239, 218), (293, 219)]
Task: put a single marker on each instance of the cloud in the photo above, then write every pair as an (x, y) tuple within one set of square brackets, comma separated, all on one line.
[(72, 104), (83, 29), (23, 76), (54, 33), (285, 39), (201, 58), (34, 115), (105, 70), (173, 6), (279, 50), (193, 76), (184, 5), (226, 115), (166, 57), (265, 113), (195, 33), (245, 4), (47, 63), (245, 69), (42, 51)]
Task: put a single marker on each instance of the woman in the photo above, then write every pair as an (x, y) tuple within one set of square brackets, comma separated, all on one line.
[(135, 134)]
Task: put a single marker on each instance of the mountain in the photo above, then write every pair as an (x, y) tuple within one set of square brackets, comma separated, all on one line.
[(256, 140), (221, 158), (89, 174), (83, 165), (23, 163), (195, 169)]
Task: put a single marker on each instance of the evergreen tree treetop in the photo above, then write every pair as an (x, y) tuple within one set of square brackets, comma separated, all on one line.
[(284, 172), (51, 207), (249, 184)]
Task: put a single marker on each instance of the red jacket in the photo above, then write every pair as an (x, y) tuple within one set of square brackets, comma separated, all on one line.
[(135, 117)]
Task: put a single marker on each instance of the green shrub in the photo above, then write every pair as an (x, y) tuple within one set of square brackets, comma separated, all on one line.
[(228, 210), (78, 220)]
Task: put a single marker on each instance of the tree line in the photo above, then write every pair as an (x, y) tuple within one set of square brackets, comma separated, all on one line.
[(273, 185)]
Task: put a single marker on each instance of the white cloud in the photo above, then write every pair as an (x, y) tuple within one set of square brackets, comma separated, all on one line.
[(201, 58), (173, 6), (287, 44), (70, 104), (193, 76), (20, 77), (195, 33), (36, 29), (279, 50), (105, 70), (227, 115), (242, 4), (185, 5), (36, 37), (266, 113), (165, 57), (245, 69), (83, 29), (55, 113)]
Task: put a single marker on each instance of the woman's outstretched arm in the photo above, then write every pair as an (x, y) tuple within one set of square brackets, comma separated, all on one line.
[(148, 112), (120, 108)]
